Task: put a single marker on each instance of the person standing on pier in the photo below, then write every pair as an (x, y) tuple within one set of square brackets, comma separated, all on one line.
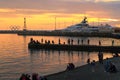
[(68, 41), (59, 41), (88, 41), (52, 42), (100, 57), (99, 43), (42, 40), (82, 41), (45, 41), (71, 41), (112, 42), (78, 41)]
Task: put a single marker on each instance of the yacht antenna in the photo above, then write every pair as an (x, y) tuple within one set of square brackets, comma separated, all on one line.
[(98, 21)]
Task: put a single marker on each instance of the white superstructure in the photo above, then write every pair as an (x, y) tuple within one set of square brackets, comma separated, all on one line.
[(85, 27)]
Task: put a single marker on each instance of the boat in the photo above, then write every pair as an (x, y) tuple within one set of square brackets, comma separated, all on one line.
[(84, 27)]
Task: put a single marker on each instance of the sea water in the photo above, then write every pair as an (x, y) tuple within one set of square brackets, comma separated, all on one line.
[(16, 58)]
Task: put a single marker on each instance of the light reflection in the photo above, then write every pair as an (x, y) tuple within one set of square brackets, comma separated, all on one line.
[(61, 58), (16, 56)]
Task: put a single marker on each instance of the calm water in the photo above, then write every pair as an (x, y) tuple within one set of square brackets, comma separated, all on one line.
[(15, 58)]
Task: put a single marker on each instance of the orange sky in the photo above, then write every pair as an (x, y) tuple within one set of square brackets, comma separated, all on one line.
[(67, 12)]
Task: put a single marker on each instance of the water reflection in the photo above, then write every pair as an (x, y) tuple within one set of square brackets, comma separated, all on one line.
[(15, 58), (48, 60)]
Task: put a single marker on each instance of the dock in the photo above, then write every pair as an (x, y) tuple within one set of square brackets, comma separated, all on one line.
[(70, 34), (90, 48)]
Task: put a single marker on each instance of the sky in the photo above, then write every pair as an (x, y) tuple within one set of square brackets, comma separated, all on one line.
[(41, 14)]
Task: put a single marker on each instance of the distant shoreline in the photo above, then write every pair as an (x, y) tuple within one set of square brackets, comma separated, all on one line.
[(60, 33), (70, 34)]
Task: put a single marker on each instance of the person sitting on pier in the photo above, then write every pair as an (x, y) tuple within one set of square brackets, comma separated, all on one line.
[(31, 39), (115, 55), (70, 66), (25, 77), (93, 65), (107, 65), (110, 67), (32, 42), (113, 68), (34, 76), (37, 42), (88, 61)]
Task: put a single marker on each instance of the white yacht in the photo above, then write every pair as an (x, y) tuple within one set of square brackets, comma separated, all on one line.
[(83, 26)]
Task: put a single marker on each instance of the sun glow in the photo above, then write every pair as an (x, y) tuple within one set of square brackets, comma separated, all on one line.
[(43, 20)]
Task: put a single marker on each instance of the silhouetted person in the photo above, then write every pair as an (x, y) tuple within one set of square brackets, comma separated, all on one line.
[(28, 77), (70, 66), (112, 42), (23, 77), (112, 68), (100, 57), (31, 39), (78, 41), (34, 76), (48, 41), (82, 41), (37, 42), (42, 40), (88, 61), (68, 41), (71, 41), (88, 41), (116, 55), (64, 43), (52, 42), (93, 65), (59, 41), (99, 43), (45, 41)]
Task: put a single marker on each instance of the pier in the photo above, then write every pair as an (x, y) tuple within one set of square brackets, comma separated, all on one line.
[(58, 33), (90, 48), (10, 31), (70, 34)]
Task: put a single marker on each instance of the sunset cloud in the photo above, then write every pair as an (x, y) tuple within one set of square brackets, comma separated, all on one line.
[(107, 10)]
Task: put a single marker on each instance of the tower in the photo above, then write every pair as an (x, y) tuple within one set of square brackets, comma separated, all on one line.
[(24, 24)]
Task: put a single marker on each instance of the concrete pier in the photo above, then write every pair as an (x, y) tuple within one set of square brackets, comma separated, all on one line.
[(75, 47)]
